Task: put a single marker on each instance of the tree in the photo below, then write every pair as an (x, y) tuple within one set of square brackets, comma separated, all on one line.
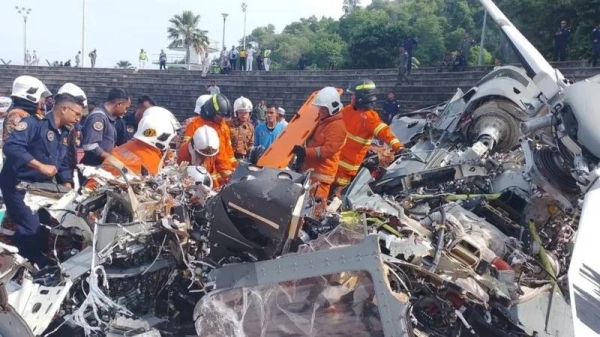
[(350, 5), (124, 65), (184, 32)]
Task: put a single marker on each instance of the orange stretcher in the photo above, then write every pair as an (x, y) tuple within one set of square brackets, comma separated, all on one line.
[(279, 154)]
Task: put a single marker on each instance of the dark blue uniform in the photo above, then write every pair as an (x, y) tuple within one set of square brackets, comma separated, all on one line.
[(98, 134), (595, 37), (390, 109), (126, 128), (409, 44), (34, 137)]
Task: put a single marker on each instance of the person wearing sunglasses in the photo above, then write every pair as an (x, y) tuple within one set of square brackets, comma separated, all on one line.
[(201, 151), (36, 152)]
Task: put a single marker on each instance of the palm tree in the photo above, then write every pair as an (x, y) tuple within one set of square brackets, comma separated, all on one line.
[(184, 32), (124, 65)]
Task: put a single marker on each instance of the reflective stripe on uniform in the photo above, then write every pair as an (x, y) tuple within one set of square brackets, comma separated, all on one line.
[(186, 138), (378, 129), (394, 141), (342, 181), (90, 147), (359, 140), (322, 177), (215, 104), (7, 232), (233, 160), (318, 152), (365, 86), (348, 166)]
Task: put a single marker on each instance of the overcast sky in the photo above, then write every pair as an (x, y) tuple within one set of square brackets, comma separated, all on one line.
[(119, 28)]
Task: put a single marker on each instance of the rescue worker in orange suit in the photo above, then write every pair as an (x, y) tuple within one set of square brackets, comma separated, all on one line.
[(145, 153), (242, 131), (28, 99), (321, 152), (362, 125), (201, 151), (214, 113)]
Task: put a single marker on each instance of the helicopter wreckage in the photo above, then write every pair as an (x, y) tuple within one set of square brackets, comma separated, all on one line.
[(483, 226)]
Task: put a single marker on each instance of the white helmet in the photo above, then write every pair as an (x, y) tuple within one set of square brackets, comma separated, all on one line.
[(200, 176), (242, 104), (330, 98), (29, 88), (156, 128), (206, 141), (164, 112), (73, 90), (200, 102), (5, 103), (281, 111)]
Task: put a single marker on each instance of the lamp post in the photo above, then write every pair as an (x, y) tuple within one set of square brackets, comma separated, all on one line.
[(482, 38), (25, 12), (224, 19), (244, 8), (83, 36)]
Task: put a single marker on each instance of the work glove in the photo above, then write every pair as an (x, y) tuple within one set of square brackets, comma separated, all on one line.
[(300, 153)]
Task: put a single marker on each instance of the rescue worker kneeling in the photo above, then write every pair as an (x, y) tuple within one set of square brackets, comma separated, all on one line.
[(36, 152), (214, 113), (322, 150), (145, 153), (362, 125), (202, 151)]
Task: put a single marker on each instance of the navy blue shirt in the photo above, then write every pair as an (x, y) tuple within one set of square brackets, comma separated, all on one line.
[(409, 44), (36, 137), (98, 135), (126, 128), (595, 37), (390, 109)]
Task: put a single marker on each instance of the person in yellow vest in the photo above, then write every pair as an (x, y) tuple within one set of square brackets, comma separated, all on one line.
[(243, 56), (143, 59)]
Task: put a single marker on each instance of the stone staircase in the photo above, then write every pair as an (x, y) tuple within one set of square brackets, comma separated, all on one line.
[(178, 89)]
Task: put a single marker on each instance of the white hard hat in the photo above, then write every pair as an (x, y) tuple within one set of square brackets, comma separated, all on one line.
[(242, 104), (330, 98), (29, 88), (162, 111), (200, 175), (5, 103), (281, 111), (200, 102), (73, 90), (206, 141), (156, 128)]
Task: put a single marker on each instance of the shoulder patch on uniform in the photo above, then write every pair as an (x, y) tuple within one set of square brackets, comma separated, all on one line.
[(65, 141), (149, 132), (98, 126), (50, 135), (40, 117), (21, 126), (130, 128)]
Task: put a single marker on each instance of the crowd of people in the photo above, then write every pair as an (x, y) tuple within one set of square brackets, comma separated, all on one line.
[(40, 143)]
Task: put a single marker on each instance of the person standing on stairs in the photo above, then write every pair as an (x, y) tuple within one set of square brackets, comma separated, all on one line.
[(243, 59), (403, 67), (409, 44), (595, 39), (233, 57), (249, 58), (143, 59), (92, 56), (78, 59), (213, 89)]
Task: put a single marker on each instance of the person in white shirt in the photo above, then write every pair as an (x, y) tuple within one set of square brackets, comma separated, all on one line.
[(27, 58), (36, 60), (205, 65), (77, 59), (249, 59), (267, 59), (213, 89), (281, 117)]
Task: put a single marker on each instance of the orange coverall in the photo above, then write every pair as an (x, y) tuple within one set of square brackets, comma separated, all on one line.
[(361, 127), (209, 163), (323, 153), (137, 156), (225, 161)]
